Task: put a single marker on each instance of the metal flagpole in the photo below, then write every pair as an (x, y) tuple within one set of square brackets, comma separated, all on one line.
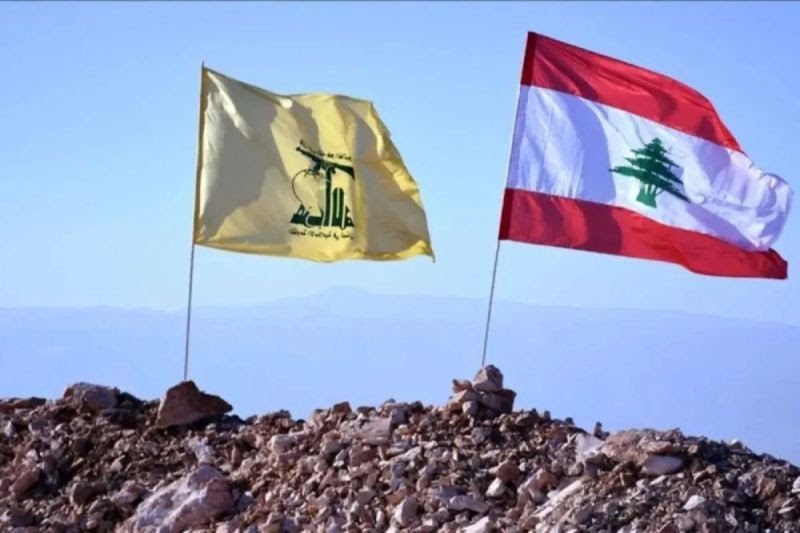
[(497, 249), (188, 315), (194, 220), (491, 301)]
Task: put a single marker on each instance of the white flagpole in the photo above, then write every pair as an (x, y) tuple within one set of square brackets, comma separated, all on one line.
[(497, 249), (194, 220)]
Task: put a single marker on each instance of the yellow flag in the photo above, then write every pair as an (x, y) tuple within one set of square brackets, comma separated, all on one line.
[(314, 176)]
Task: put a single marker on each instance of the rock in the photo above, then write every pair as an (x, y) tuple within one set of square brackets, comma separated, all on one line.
[(375, 432), (469, 502), (192, 501), (429, 525), (481, 434), (365, 495), (15, 517), (398, 415), (244, 501), (541, 481), (128, 495), (587, 446), (488, 379), (405, 512), (96, 398), (787, 510), (202, 451), (25, 481), (507, 471), (82, 493), (483, 525), (11, 405), (185, 404), (694, 502), (498, 402), (470, 408), (461, 384), (349, 470), (330, 446), (117, 466), (684, 523), (582, 514), (361, 454), (9, 431), (636, 446), (558, 498), (767, 487), (409, 456), (496, 489), (342, 408), (281, 443), (659, 465), (463, 396)]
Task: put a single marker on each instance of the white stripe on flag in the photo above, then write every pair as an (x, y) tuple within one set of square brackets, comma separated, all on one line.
[(565, 145)]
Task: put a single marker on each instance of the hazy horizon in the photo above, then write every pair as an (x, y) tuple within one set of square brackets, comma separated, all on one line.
[(731, 314), (721, 377)]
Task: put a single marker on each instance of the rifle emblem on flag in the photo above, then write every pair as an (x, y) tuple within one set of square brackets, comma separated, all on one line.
[(318, 178)]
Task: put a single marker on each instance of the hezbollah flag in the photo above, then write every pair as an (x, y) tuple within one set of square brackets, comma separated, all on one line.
[(612, 158), (314, 176)]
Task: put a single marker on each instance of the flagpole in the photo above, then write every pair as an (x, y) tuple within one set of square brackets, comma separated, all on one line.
[(491, 301), (194, 220), (188, 315), (500, 219)]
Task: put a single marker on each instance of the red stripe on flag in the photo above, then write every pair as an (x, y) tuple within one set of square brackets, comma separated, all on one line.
[(552, 64), (538, 218)]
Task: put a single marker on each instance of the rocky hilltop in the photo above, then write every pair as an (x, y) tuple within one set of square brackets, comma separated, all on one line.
[(99, 459)]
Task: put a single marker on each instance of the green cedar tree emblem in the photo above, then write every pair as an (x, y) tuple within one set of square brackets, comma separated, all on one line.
[(654, 170)]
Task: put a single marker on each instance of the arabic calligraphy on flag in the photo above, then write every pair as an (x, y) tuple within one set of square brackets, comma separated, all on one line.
[(314, 176), (319, 193)]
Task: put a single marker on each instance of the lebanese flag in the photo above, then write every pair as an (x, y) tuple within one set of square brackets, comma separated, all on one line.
[(612, 158)]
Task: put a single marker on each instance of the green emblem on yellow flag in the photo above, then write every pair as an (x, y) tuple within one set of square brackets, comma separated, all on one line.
[(331, 207), (314, 176)]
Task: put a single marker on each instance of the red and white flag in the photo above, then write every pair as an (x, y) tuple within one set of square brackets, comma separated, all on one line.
[(612, 158)]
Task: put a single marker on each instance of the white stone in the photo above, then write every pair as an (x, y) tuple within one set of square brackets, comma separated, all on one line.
[(496, 489), (202, 451), (281, 443), (191, 501), (659, 465), (464, 502), (484, 525), (587, 446), (694, 502), (558, 497), (8, 430)]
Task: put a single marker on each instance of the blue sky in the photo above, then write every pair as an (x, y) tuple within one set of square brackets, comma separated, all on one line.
[(99, 118)]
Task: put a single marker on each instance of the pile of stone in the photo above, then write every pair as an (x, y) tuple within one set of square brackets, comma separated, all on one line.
[(484, 393), (101, 460)]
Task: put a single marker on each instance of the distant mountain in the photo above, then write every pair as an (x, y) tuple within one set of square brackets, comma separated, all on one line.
[(721, 377)]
